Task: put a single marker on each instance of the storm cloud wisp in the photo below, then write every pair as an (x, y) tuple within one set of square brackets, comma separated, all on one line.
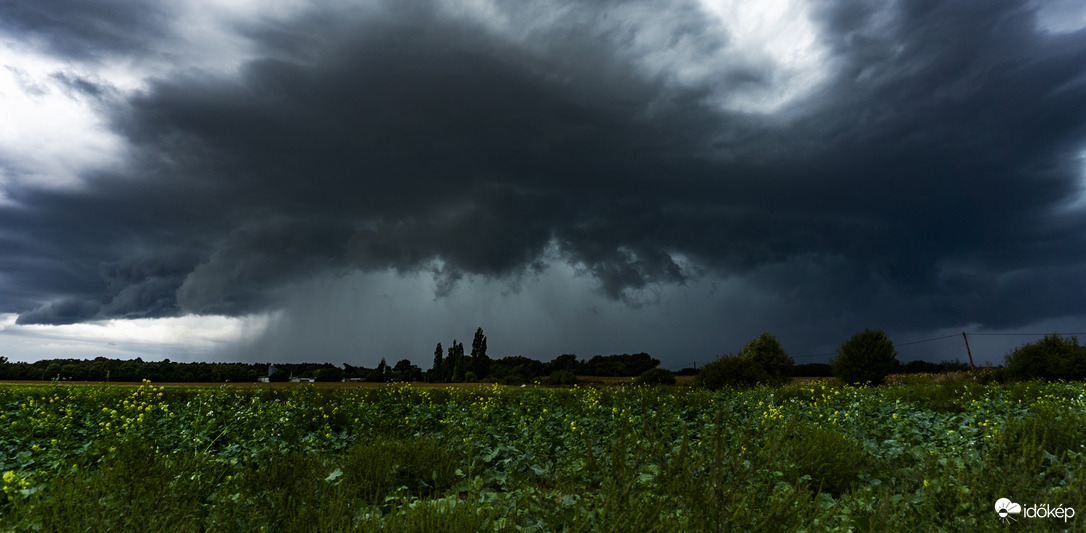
[(809, 168)]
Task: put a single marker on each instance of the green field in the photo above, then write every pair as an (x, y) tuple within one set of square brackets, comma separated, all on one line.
[(812, 456)]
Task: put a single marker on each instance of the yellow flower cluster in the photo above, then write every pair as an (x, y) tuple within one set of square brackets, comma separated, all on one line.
[(144, 404), (771, 414), (14, 482)]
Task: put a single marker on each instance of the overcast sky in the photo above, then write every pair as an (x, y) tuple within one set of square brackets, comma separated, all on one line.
[(344, 181)]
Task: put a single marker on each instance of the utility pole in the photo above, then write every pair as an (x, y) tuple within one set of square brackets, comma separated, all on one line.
[(971, 367)]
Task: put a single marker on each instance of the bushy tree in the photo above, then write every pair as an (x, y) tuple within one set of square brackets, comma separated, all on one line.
[(525, 367), (766, 350), (620, 364), (562, 378), (566, 361), (1053, 357), (866, 358), (730, 371), (405, 370)]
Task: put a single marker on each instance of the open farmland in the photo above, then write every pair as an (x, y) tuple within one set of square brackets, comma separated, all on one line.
[(812, 456)]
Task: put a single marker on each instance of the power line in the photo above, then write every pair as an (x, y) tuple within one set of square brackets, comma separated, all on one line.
[(1026, 334), (896, 345), (927, 340)]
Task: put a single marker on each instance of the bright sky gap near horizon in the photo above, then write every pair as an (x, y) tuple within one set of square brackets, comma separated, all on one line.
[(335, 181)]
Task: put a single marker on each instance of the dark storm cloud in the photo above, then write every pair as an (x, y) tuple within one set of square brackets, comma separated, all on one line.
[(255, 259), (65, 311), (929, 169), (81, 29), (80, 85)]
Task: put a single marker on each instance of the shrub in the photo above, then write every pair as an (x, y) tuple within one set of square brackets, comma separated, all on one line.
[(1050, 358), (832, 460), (655, 376), (988, 375), (562, 377), (867, 358), (1031, 453), (730, 371), (766, 351), (939, 397), (513, 379)]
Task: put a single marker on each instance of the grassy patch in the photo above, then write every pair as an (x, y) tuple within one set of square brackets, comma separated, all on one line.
[(816, 456)]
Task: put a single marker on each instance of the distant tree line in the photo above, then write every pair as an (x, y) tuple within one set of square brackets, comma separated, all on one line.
[(453, 365), (104, 369), (825, 370), (449, 366), (867, 358)]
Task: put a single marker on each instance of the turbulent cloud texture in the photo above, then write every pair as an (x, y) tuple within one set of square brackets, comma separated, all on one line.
[(907, 165)]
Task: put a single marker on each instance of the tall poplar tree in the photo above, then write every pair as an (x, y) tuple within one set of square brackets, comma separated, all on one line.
[(437, 371), (456, 361), (480, 362)]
